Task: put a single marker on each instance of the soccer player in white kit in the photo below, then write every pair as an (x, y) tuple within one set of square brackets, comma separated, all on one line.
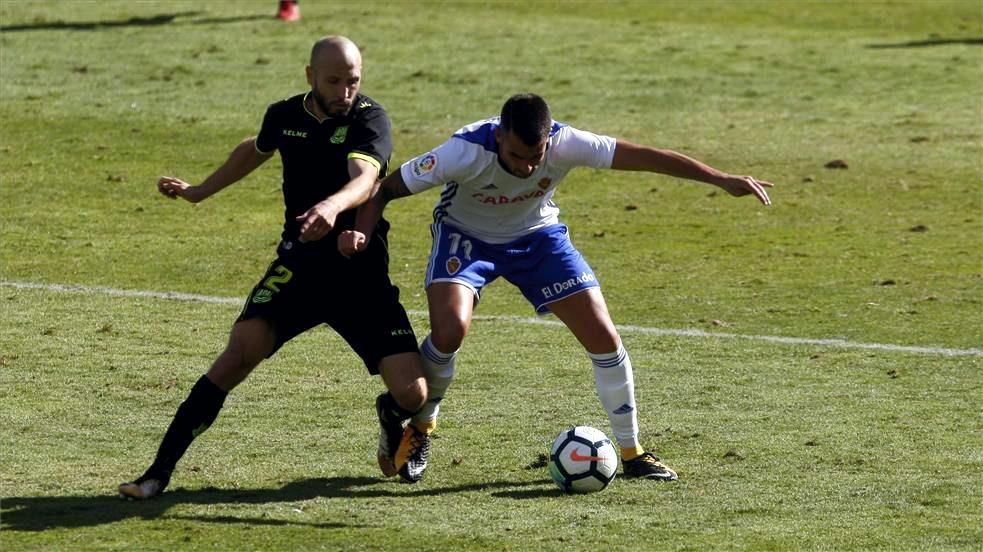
[(496, 217)]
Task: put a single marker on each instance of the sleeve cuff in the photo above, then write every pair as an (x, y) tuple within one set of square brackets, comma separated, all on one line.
[(367, 158)]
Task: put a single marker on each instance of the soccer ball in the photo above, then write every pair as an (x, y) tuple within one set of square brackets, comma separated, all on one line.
[(583, 460)]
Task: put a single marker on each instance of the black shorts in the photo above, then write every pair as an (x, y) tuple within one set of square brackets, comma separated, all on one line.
[(355, 297)]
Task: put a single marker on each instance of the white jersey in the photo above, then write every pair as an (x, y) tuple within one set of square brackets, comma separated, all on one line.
[(483, 199)]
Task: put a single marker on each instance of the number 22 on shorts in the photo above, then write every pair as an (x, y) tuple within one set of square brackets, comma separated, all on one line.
[(283, 275)]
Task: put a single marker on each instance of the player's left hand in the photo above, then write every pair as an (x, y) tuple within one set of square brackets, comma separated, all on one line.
[(744, 185), (351, 242), (316, 222)]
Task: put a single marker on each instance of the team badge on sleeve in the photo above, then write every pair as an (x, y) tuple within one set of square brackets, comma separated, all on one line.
[(425, 164)]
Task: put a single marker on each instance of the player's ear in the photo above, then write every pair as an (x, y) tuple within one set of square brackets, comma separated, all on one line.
[(499, 135), (310, 76)]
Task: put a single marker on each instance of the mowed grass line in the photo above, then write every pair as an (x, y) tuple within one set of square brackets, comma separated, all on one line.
[(790, 449), (778, 446)]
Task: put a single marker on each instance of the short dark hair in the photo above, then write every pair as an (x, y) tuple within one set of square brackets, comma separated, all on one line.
[(528, 117)]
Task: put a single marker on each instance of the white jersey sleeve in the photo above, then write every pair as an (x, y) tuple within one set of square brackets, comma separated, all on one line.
[(451, 161), (579, 148)]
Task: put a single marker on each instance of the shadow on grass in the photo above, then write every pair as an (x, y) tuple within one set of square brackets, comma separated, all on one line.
[(150, 21), (929, 42), (38, 513)]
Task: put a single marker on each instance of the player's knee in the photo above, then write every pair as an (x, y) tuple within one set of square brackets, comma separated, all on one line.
[(229, 369), (250, 342), (447, 337), (235, 358)]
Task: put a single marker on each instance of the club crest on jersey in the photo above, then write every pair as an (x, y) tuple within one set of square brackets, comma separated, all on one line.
[(544, 183), (425, 164), (262, 296), (339, 135), (453, 265)]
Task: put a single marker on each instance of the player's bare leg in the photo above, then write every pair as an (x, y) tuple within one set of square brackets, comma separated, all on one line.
[(451, 307), (586, 314), (249, 343)]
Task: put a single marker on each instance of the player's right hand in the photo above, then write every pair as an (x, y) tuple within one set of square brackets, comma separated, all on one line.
[(175, 188), (351, 242)]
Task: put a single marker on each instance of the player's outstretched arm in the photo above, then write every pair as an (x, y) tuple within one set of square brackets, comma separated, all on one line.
[(633, 157), (369, 213), (244, 159)]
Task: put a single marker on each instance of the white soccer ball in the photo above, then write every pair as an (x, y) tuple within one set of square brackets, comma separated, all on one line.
[(583, 460)]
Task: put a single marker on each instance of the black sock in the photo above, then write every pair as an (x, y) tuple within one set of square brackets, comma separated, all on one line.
[(193, 417), (393, 410)]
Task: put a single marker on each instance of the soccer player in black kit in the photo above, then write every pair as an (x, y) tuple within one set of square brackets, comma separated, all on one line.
[(334, 144)]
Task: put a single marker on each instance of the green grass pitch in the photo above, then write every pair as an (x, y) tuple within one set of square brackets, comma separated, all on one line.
[(812, 369)]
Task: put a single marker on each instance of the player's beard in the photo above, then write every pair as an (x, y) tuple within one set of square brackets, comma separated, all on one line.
[(332, 109)]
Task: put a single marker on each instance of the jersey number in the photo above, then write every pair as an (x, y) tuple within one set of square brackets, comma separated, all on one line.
[(457, 242), (283, 275)]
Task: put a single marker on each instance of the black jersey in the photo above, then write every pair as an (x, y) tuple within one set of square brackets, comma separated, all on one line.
[(315, 157)]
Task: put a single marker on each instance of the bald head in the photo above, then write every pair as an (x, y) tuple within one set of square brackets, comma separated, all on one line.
[(335, 75), (335, 49)]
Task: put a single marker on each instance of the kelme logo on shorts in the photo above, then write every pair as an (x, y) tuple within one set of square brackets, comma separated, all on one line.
[(339, 135), (262, 296)]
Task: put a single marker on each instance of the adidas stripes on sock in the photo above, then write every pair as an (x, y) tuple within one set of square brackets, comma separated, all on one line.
[(616, 390)]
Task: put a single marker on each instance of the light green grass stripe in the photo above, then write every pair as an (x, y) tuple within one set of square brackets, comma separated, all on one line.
[(628, 329)]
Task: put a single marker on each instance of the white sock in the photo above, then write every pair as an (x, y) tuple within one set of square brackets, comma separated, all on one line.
[(438, 368), (616, 389)]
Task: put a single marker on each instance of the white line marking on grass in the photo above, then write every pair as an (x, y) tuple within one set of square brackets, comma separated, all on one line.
[(97, 290), (628, 329), (692, 332)]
